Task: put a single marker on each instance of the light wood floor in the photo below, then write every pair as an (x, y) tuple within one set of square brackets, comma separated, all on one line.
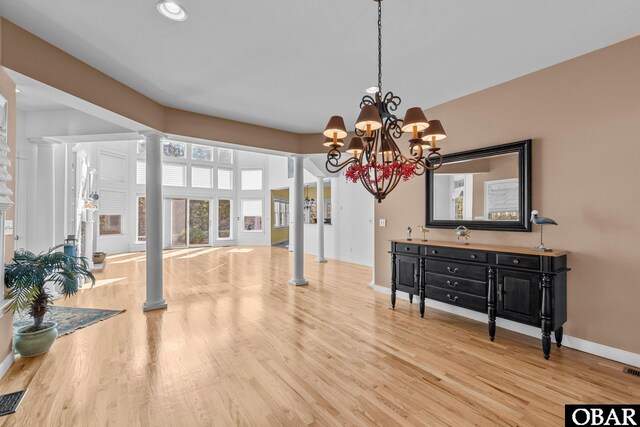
[(239, 346)]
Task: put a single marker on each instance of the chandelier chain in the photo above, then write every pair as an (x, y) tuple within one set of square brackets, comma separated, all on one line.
[(380, 47)]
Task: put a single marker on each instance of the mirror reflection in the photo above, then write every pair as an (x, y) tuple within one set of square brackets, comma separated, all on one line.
[(484, 189)]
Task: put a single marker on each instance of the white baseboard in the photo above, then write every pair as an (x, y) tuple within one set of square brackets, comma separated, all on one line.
[(6, 363), (622, 356)]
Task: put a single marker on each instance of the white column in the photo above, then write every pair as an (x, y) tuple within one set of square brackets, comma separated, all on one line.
[(44, 236), (153, 199), (320, 208), (298, 222)]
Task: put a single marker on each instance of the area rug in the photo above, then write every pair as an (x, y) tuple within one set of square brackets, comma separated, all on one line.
[(69, 319)]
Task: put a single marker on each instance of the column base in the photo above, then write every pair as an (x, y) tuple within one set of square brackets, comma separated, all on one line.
[(158, 305), (321, 260), (298, 282)]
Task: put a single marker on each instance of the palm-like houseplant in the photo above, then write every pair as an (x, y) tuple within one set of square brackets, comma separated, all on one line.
[(26, 277)]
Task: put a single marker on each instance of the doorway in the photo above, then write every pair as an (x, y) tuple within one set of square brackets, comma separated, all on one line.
[(190, 222)]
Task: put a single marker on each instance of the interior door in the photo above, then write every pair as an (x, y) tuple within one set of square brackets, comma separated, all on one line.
[(519, 296), (199, 222)]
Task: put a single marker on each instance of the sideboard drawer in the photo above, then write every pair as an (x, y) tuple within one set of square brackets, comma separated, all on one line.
[(407, 249), (453, 253), (519, 261), (460, 299), (455, 284), (454, 269)]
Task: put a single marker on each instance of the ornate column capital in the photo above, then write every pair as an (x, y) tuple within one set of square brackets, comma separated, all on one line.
[(149, 134)]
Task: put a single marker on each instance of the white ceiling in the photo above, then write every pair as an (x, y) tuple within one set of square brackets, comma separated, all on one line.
[(290, 64)]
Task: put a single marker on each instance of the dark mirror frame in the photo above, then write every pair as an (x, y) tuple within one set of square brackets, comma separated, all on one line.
[(523, 149)]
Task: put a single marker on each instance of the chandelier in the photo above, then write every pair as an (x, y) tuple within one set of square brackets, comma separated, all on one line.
[(376, 161)]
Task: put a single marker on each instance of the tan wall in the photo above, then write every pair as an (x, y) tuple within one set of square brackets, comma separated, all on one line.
[(8, 90), (584, 118)]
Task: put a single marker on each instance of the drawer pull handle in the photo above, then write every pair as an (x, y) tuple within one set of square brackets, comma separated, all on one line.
[(452, 271), (454, 299), (452, 285), (407, 249), (474, 256), (434, 252), (515, 261)]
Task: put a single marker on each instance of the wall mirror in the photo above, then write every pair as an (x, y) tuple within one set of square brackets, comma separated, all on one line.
[(484, 189)]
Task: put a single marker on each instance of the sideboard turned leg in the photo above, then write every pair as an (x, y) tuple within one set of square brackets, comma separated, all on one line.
[(491, 303), (559, 333), (546, 315), (393, 281), (422, 287)]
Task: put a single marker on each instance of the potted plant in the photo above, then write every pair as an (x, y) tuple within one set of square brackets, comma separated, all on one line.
[(26, 277)]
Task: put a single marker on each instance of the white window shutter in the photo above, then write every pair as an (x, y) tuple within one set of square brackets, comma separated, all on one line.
[(201, 177), (251, 179)]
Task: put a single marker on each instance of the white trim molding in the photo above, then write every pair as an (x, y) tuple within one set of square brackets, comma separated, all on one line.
[(619, 355), (6, 363)]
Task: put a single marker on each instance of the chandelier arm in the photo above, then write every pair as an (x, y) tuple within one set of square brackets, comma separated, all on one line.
[(335, 167)]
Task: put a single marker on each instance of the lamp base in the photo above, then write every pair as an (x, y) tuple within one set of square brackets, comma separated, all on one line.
[(543, 249)]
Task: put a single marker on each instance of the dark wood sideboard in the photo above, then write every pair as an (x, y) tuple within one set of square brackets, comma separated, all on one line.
[(519, 284)]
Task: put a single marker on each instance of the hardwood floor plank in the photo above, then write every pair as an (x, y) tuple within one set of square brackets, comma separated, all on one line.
[(239, 346)]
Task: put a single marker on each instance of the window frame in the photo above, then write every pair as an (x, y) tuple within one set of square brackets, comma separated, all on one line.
[(138, 197), (277, 202), (120, 225), (262, 215)]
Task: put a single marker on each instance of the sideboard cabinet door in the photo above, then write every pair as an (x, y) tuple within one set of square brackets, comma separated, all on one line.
[(518, 296), (407, 270)]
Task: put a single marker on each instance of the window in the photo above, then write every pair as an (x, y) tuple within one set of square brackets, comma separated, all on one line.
[(252, 214), (502, 200), (224, 219), (174, 175), (110, 224), (225, 179), (251, 179), (225, 156), (201, 177), (141, 234), (177, 150), (198, 222), (201, 152), (280, 213), (141, 172)]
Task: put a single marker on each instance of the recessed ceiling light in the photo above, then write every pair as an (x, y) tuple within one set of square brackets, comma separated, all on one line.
[(372, 90), (172, 10), (18, 90)]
